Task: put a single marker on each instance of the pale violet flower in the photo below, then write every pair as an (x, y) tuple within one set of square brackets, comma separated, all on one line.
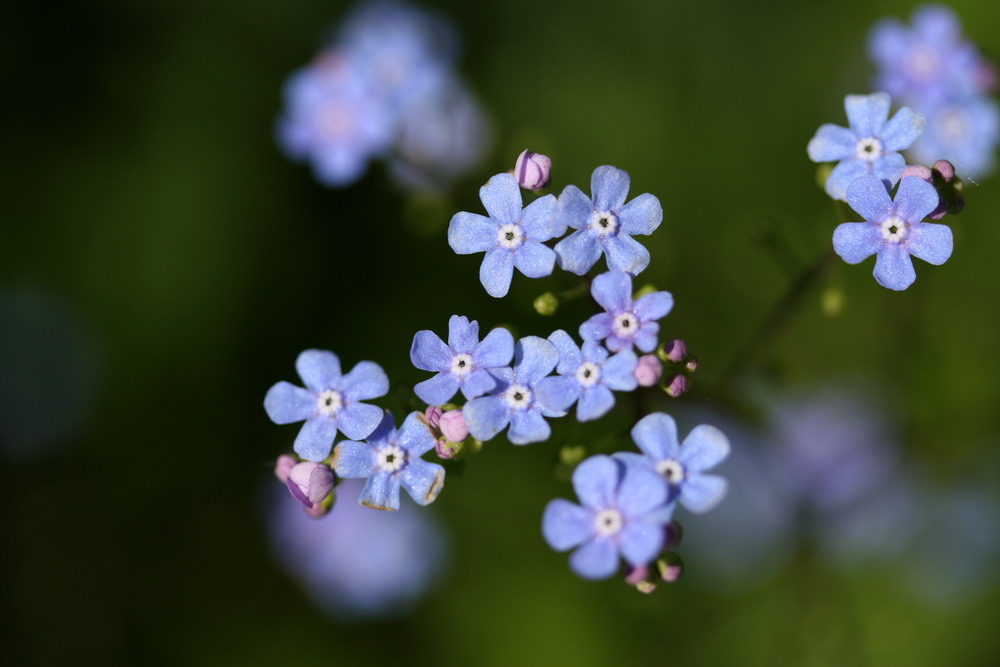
[(625, 322)]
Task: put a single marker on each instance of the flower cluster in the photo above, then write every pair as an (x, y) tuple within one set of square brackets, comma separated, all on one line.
[(384, 87)]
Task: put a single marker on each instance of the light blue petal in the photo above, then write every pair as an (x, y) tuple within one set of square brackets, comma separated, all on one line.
[(470, 232), (857, 241), (641, 491), (437, 390), (574, 208), (610, 187), (656, 436), (315, 438), (613, 291), (700, 493), (527, 426), (893, 268), (594, 403), (366, 380), (596, 559), (888, 42), (463, 337), (597, 327), (486, 416), (930, 242), (429, 353), (618, 372), (415, 436), (381, 492), (617, 343), (596, 481), (478, 383), (534, 358), (889, 167), (641, 542), (358, 420), (915, 199), (565, 525), (319, 369), (540, 218), (904, 128), (384, 432), (496, 271), (654, 306), (642, 215), (867, 113), (633, 459), (626, 254), (504, 377), (703, 448), (555, 394), (502, 198), (593, 352), (286, 404), (422, 480), (843, 175), (534, 259), (570, 357), (832, 143), (353, 460), (579, 251), (868, 196), (497, 349), (645, 338)]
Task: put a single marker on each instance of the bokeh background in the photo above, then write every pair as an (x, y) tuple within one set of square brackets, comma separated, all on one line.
[(162, 264)]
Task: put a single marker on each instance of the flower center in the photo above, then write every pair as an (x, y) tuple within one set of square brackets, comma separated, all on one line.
[(329, 402), (893, 230), (462, 365), (391, 458), (869, 149), (671, 470), (518, 396), (337, 122), (604, 223), (588, 374), (922, 62), (625, 325), (510, 237), (608, 522), (953, 125)]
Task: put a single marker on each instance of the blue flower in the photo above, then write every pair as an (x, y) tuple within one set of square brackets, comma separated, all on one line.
[(522, 397), (389, 459), (510, 236), (964, 132), (870, 146), (464, 363), (893, 229), (605, 224), (590, 375), (621, 513), (625, 321), (682, 466), (329, 402)]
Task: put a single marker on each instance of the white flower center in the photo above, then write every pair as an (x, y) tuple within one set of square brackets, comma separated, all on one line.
[(671, 470), (462, 365), (518, 396), (603, 222), (510, 237), (625, 325), (893, 230), (869, 149), (329, 402), (588, 374), (953, 125), (922, 62), (608, 522), (391, 458)]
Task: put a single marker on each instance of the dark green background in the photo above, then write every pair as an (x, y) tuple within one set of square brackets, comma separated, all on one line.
[(143, 190)]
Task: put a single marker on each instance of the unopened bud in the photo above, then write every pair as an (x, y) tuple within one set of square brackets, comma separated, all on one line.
[(572, 454), (691, 364), (918, 170), (433, 416), (676, 387), (453, 426), (648, 288), (674, 350), (648, 370), (945, 169), (447, 450), (533, 171), (310, 483), (670, 567), (320, 509), (283, 466), (546, 304), (673, 534)]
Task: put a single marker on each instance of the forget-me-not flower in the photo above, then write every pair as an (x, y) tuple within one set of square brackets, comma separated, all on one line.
[(621, 512), (962, 131), (893, 229), (606, 224), (521, 398), (464, 363), (870, 146), (590, 374), (389, 459), (329, 402), (683, 465), (625, 322)]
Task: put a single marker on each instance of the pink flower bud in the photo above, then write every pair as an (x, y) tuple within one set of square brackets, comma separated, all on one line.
[(918, 170), (309, 483), (675, 350), (433, 416), (453, 426), (648, 370), (677, 386), (283, 466), (533, 171), (945, 169)]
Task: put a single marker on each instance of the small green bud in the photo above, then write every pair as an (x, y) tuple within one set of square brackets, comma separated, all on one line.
[(546, 304), (832, 301), (571, 455), (648, 288)]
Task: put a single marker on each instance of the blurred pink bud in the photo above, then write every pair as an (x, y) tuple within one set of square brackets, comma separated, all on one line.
[(918, 170), (677, 386), (636, 575), (533, 171), (648, 370), (946, 169), (453, 426), (675, 350), (671, 572), (309, 483), (283, 466)]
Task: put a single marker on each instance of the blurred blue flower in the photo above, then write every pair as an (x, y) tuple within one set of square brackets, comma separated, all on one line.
[(893, 229), (510, 236), (464, 363), (870, 146), (390, 458), (606, 224), (621, 512), (625, 322), (329, 402), (964, 132)]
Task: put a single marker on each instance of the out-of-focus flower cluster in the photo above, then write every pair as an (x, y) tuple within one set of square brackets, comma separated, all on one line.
[(384, 88)]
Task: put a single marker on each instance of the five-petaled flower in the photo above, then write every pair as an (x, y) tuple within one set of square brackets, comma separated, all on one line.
[(625, 321)]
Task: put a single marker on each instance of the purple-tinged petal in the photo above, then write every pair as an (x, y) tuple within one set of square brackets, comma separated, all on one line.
[(555, 394), (867, 113), (889, 167), (857, 241), (902, 130), (381, 492), (703, 448), (609, 186), (930, 242), (497, 349), (486, 416), (596, 559), (642, 215), (618, 343), (319, 369), (422, 480), (429, 353), (570, 357), (843, 175), (538, 218), (613, 291), (594, 403), (527, 426), (618, 372), (437, 390), (358, 420), (867, 195), (315, 438), (286, 404), (579, 251), (832, 143), (596, 481), (646, 338), (534, 358), (353, 460), (654, 306), (893, 268), (496, 271), (463, 336), (384, 432), (414, 436), (626, 254), (700, 493), (471, 232), (574, 208), (656, 436), (478, 383), (641, 541), (565, 524), (915, 199), (534, 259), (366, 380), (596, 327), (593, 352), (502, 198), (640, 492)]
